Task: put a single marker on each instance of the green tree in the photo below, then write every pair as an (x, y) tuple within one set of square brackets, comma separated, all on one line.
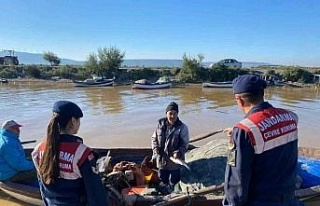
[(92, 64), (33, 71), (110, 59), (218, 73), (297, 75), (106, 62), (191, 68), (52, 58)]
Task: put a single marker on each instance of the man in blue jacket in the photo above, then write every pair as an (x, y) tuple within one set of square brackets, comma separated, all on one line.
[(13, 163), (263, 150)]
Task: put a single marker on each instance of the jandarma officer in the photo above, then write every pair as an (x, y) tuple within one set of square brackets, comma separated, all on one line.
[(263, 150), (65, 165)]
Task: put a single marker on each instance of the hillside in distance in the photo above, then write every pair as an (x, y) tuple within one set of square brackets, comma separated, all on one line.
[(35, 58)]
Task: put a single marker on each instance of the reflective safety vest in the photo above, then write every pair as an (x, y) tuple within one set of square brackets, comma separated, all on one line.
[(270, 128), (71, 156)]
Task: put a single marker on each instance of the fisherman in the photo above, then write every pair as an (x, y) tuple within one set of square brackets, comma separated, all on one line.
[(170, 139), (263, 150), (13, 163), (66, 167)]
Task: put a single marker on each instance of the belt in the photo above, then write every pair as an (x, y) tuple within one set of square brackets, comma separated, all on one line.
[(274, 198)]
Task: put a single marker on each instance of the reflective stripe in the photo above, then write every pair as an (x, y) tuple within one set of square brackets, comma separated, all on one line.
[(280, 140), (259, 142), (262, 143), (76, 172), (78, 155)]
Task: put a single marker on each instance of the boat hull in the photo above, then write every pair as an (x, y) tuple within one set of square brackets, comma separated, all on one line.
[(151, 86), (24, 193), (29, 194), (4, 81), (101, 83), (217, 84)]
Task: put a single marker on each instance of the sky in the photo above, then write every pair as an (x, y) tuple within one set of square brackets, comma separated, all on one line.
[(285, 32)]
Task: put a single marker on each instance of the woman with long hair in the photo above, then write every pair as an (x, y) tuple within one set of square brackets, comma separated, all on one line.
[(65, 166)]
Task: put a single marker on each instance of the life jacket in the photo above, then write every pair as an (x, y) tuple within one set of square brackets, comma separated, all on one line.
[(270, 128)]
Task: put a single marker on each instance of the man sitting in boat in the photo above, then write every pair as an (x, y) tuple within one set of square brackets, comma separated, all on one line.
[(170, 140), (13, 163)]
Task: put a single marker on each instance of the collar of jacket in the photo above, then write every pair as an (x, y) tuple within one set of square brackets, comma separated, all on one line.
[(177, 122), (259, 107), (9, 134), (70, 138)]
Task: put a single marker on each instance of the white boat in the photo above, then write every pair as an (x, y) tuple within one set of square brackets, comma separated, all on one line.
[(145, 84), (227, 84), (95, 82), (2, 80)]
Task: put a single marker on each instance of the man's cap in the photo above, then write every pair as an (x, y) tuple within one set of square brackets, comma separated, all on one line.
[(248, 83), (67, 109), (172, 106), (10, 123)]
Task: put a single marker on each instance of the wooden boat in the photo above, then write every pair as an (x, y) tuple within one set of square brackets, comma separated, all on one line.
[(2, 80), (293, 84), (145, 84), (309, 196), (227, 84), (95, 82), (25, 193)]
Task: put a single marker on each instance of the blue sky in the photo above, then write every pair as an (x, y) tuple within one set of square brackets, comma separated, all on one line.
[(274, 31)]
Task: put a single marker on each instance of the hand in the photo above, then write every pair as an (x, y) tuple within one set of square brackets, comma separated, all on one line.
[(228, 131)]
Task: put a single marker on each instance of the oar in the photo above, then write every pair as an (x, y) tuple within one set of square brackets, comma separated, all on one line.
[(205, 136), (28, 142)]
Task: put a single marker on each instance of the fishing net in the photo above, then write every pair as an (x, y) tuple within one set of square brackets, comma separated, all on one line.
[(207, 166)]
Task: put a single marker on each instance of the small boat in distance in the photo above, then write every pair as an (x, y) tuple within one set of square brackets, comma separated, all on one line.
[(145, 84), (2, 80), (94, 82), (226, 84)]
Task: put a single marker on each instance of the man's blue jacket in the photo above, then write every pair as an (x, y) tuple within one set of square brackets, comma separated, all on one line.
[(12, 156)]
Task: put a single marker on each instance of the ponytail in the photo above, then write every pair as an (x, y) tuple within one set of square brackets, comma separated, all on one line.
[(49, 165)]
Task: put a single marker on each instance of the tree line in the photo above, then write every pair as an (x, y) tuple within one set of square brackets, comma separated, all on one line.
[(107, 61)]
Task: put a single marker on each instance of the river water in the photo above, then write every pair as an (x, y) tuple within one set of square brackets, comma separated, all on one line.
[(121, 117)]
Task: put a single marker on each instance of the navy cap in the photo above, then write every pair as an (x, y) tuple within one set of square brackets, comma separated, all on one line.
[(172, 106), (67, 109), (248, 83)]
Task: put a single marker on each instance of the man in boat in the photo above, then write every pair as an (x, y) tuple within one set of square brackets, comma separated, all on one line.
[(13, 163), (263, 150), (169, 140), (66, 167)]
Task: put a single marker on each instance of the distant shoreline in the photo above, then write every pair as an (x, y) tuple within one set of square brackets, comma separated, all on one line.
[(289, 84)]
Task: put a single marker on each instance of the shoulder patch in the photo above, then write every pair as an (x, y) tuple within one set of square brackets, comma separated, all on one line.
[(232, 154), (231, 144), (232, 158)]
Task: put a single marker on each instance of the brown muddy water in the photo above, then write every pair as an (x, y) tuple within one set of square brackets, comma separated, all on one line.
[(121, 117)]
